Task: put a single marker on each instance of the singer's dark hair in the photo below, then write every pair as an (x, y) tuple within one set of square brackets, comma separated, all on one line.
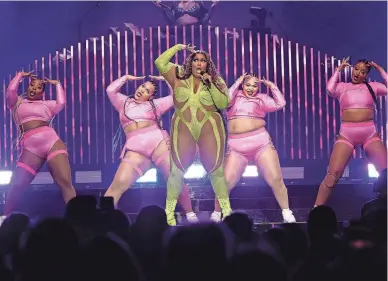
[(369, 67), (184, 72)]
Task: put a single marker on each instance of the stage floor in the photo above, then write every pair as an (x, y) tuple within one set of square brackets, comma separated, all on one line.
[(257, 201)]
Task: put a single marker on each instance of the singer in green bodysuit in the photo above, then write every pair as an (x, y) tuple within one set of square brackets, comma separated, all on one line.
[(199, 92)]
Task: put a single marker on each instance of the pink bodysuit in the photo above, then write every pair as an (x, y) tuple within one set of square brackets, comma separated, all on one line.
[(39, 140), (250, 145), (356, 96), (143, 141)]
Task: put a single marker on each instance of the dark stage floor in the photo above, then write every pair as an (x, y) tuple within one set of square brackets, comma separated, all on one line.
[(257, 201)]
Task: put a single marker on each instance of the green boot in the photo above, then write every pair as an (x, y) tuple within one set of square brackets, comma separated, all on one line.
[(174, 188), (220, 187)]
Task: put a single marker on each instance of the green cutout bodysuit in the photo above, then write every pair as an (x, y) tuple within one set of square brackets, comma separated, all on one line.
[(184, 94)]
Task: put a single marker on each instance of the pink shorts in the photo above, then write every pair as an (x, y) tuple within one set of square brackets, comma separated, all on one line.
[(39, 141), (250, 145), (358, 133), (145, 141)]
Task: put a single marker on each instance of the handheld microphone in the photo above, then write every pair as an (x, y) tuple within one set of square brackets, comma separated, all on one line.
[(205, 81)]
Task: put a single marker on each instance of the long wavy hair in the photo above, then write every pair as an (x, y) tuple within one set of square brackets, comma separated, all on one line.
[(117, 136), (211, 69)]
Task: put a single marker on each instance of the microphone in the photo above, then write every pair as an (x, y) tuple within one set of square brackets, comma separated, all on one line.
[(204, 81)]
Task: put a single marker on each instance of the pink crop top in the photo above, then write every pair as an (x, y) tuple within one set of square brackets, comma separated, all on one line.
[(257, 107), (27, 110), (355, 95), (136, 111)]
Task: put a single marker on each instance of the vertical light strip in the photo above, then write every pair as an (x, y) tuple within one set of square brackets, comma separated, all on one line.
[(234, 56), (126, 63), (284, 93), (151, 66), (306, 132), (333, 101), (43, 70), (291, 99), (134, 57), (72, 102), (250, 53), (7, 139), (184, 41), (142, 53), (4, 137), (320, 117), (209, 42), (313, 100), (160, 51), (65, 88), (218, 47), (160, 38), (266, 61), (103, 98), (192, 34), (80, 102), (151, 52), (111, 78), (259, 59), (275, 78), (242, 53), (6, 134), (88, 98), (97, 136), (226, 56), (57, 78), (328, 139), (298, 99), (50, 73), (383, 123), (119, 74), (176, 42), (381, 102), (200, 38)]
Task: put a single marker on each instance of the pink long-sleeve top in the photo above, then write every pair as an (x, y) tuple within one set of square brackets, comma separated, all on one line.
[(256, 107), (130, 110), (351, 95), (27, 110)]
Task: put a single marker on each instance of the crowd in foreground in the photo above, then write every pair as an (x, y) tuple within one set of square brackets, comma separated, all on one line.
[(90, 244)]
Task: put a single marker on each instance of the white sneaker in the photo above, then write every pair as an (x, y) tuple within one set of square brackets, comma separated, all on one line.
[(2, 219), (216, 216), (192, 217), (288, 217)]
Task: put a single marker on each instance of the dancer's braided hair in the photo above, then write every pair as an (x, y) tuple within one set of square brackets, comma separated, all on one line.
[(150, 101), (369, 67)]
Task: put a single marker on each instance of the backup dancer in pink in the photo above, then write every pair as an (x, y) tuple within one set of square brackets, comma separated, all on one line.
[(147, 143), (37, 140), (248, 140), (357, 102)]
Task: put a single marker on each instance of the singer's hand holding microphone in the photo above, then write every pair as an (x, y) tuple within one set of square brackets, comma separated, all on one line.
[(206, 78)]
